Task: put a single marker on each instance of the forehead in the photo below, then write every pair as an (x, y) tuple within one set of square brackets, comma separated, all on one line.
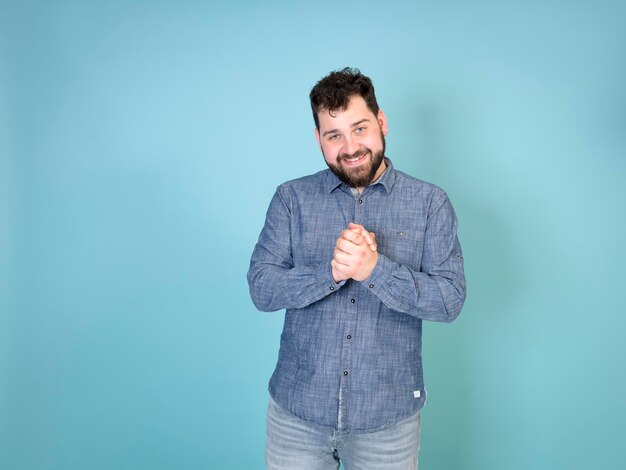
[(356, 110)]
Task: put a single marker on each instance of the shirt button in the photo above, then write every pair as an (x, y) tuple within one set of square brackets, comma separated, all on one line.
[(349, 337), (345, 372), (371, 286), (331, 288), (360, 201), (352, 301)]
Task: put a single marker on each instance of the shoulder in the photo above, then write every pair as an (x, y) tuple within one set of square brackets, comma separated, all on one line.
[(430, 198), (304, 186), (417, 187)]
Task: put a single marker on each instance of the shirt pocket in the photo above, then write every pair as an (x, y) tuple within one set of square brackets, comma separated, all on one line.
[(404, 246)]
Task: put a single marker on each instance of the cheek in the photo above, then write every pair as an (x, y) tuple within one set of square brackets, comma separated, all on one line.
[(374, 144), (330, 154)]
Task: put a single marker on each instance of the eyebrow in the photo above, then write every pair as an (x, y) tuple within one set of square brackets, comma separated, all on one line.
[(354, 124)]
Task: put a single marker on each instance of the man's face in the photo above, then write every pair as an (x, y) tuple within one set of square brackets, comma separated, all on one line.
[(353, 142)]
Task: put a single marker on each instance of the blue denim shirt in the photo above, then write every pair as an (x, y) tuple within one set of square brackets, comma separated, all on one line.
[(351, 352)]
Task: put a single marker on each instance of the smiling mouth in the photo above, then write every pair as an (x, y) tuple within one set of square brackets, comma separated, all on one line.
[(354, 160)]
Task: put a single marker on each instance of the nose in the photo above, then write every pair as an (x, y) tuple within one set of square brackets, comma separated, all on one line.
[(351, 145)]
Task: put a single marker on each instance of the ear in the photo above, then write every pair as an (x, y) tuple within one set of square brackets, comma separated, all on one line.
[(317, 136), (382, 121)]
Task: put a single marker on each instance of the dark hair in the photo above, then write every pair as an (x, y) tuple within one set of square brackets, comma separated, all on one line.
[(333, 92)]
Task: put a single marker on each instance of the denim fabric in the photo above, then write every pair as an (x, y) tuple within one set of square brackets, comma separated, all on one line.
[(292, 443), (350, 352)]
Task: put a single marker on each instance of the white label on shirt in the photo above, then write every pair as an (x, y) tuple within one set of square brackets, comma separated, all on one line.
[(416, 394)]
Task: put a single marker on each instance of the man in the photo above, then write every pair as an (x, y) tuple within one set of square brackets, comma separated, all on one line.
[(359, 255)]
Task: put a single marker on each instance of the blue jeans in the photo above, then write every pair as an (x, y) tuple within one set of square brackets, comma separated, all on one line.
[(295, 444)]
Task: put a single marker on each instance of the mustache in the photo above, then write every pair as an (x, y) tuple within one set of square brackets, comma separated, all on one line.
[(357, 154)]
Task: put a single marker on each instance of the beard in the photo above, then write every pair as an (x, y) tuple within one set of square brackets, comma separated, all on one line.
[(364, 174)]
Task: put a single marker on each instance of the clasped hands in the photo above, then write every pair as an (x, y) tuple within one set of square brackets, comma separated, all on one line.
[(355, 254)]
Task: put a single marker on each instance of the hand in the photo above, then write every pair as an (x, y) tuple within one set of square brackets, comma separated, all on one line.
[(370, 237), (355, 254)]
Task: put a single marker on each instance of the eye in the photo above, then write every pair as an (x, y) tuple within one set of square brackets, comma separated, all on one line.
[(333, 137), (360, 130)]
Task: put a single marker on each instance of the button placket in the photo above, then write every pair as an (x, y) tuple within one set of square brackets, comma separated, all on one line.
[(346, 352), (352, 301), (358, 209)]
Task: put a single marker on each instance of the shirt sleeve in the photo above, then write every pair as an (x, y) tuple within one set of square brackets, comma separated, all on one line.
[(275, 282), (437, 290)]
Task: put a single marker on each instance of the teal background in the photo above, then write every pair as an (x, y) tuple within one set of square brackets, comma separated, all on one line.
[(141, 143)]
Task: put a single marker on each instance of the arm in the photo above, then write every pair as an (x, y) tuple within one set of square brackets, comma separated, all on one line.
[(437, 291), (275, 282)]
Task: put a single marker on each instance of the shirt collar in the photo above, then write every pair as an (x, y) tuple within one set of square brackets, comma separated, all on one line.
[(386, 179)]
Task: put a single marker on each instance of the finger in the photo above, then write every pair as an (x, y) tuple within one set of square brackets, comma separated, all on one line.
[(341, 269), (368, 236), (348, 247), (338, 274), (373, 235), (369, 239), (342, 245), (353, 236), (350, 260), (342, 258)]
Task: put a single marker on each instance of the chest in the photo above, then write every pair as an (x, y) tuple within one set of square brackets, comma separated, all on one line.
[(399, 225)]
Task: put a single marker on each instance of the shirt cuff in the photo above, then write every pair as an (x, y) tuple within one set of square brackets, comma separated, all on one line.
[(380, 273), (325, 279)]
